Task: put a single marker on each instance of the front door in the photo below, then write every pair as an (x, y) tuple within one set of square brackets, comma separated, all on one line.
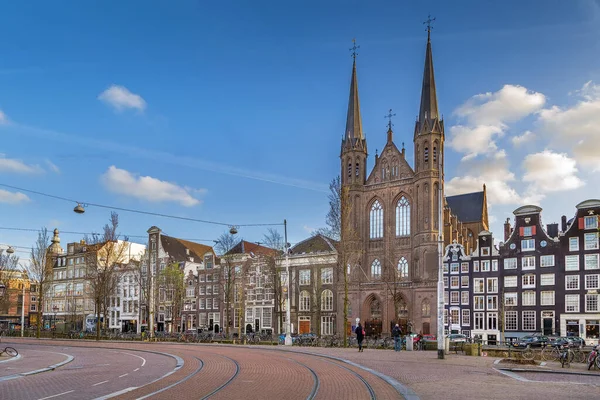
[(304, 326), (547, 326)]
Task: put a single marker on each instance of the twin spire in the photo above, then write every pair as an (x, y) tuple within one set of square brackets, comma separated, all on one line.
[(428, 120)]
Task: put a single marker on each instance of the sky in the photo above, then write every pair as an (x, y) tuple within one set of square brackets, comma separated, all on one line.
[(233, 112)]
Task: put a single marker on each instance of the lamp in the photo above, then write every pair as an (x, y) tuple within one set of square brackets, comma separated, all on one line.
[(10, 250), (79, 209)]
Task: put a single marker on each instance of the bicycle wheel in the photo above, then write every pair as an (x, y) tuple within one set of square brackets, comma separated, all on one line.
[(580, 356), (11, 352), (528, 354), (548, 354)]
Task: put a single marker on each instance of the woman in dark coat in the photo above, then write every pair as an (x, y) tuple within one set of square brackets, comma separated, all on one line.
[(359, 336)]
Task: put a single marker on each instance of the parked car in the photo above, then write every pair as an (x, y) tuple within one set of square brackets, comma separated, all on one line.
[(458, 337), (430, 338), (531, 341)]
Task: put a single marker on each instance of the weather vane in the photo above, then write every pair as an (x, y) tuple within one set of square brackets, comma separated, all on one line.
[(429, 22), (389, 117), (354, 48)]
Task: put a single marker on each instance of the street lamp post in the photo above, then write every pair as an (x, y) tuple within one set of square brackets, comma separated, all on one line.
[(288, 313), (55, 310)]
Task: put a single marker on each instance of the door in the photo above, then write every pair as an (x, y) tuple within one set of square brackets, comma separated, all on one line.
[(304, 326), (547, 326), (257, 325), (426, 328)]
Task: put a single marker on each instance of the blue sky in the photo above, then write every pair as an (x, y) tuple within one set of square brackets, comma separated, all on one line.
[(235, 111)]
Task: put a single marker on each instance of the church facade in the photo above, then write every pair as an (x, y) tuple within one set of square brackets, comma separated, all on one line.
[(391, 219)]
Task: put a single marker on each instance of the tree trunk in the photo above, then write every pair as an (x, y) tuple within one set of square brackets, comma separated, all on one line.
[(98, 320), (40, 312)]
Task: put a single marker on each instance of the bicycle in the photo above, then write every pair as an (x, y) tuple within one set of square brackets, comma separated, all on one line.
[(528, 353), (10, 351), (566, 356)]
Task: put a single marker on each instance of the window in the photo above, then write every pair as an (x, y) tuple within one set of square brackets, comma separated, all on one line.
[(434, 154), (591, 282), (445, 281), (492, 303), (485, 266), (528, 263), (425, 308), (376, 220), (510, 281), (478, 285), (528, 281), (326, 325), (454, 282), (546, 279), (528, 245), (376, 269), (479, 302), (572, 282), (403, 268), (209, 304), (547, 261), (403, 217), (426, 154), (475, 266), (190, 292), (591, 222), (445, 268), (215, 289), (590, 241), (454, 297), (573, 244), (464, 281), (479, 320), (446, 298), (492, 321), (202, 304), (454, 268), (305, 277), (464, 268), (485, 251), (466, 317), (591, 261), (208, 261), (304, 301), (571, 303), (547, 298), (591, 303), (510, 320), (528, 298), (528, 231), (464, 298), (510, 263), (327, 276), (455, 316), (510, 299), (529, 320), (492, 285), (327, 300), (572, 263), (494, 265)]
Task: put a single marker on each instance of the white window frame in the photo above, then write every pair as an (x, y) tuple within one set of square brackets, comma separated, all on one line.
[(571, 303), (590, 222), (479, 303), (528, 263), (464, 267), (596, 301), (547, 298), (511, 299), (485, 265), (529, 316), (454, 298), (574, 243), (478, 285), (547, 260), (528, 281), (510, 263), (592, 281), (513, 317), (528, 245), (590, 244), (547, 279), (591, 261), (572, 263), (528, 231), (511, 281), (464, 297), (454, 282), (492, 303), (464, 281), (304, 277), (528, 298), (494, 283), (466, 317), (572, 282)]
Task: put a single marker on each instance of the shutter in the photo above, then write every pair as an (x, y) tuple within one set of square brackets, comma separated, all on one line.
[(533, 230), (521, 231), (581, 223)]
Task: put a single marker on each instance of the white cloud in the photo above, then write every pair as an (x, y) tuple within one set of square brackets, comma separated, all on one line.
[(509, 104), (3, 118), (473, 140), (148, 188), (18, 166), (53, 167), (577, 127), (525, 137), (12, 197), (550, 172), (120, 98)]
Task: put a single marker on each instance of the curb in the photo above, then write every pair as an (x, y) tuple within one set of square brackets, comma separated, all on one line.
[(549, 371), (39, 371), (11, 359)]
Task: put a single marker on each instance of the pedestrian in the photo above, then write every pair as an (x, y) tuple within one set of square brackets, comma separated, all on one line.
[(420, 342), (397, 333), (360, 335)]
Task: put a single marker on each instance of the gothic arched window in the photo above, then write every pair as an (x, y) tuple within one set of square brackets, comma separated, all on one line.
[(403, 268), (350, 170), (426, 154), (403, 217), (304, 301), (425, 308), (357, 169), (376, 220), (434, 154), (327, 300), (376, 269)]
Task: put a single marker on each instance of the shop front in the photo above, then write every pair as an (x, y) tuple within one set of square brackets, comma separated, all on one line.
[(586, 326)]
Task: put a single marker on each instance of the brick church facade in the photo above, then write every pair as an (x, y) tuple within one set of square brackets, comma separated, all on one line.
[(393, 214)]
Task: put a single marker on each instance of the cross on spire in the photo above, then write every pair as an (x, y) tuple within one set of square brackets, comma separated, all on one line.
[(429, 21), (389, 117), (353, 49)]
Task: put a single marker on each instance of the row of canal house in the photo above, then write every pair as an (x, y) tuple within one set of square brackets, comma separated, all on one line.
[(539, 280)]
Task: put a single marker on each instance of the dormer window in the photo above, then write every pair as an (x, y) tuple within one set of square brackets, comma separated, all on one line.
[(187, 252), (208, 261)]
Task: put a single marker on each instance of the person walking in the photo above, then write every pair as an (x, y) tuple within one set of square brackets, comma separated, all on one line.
[(397, 333), (360, 335)]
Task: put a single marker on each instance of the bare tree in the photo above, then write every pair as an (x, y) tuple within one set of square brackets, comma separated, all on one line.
[(171, 280), (274, 240), (40, 270), (9, 268), (333, 218), (139, 270), (105, 255), (227, 280)]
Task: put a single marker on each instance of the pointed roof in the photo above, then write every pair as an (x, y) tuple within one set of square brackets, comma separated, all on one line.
[(353, 121), (314, 244), (244, 247), (182, 250), (468, 207), (429, 106)]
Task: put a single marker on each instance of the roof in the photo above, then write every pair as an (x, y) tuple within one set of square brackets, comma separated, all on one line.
[(176, 248), (467, 207), (244, 247), (315, 244)]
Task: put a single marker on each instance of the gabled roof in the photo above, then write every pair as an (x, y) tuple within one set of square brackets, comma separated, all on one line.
[(467, 207), (314, 244), (177, 249), (244, 247)]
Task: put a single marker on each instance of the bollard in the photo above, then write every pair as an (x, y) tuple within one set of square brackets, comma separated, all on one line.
[(409, 343)]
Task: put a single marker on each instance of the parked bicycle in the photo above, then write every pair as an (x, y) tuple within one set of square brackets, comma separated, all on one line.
[(9, 351), (593, 358), (566, 355)]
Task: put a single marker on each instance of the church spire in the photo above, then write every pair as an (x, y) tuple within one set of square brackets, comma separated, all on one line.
[(353, 121), (428, 112)]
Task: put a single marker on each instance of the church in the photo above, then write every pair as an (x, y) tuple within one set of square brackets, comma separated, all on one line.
[(391, 218)]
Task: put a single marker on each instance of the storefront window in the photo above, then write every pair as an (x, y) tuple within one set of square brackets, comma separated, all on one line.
[(573, 327), (592, 329)]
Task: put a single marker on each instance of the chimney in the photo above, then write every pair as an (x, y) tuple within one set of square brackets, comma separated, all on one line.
[(552, 230), (82, 242), (507, 229), (563, 223)]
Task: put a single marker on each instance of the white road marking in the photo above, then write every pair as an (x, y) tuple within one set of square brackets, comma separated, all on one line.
[(135, 355), (56, 395), (120, 376), (102, 365), (99, 383), (137, 369)]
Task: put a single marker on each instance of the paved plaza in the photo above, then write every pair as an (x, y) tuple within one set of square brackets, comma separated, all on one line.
[(75, 369)]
